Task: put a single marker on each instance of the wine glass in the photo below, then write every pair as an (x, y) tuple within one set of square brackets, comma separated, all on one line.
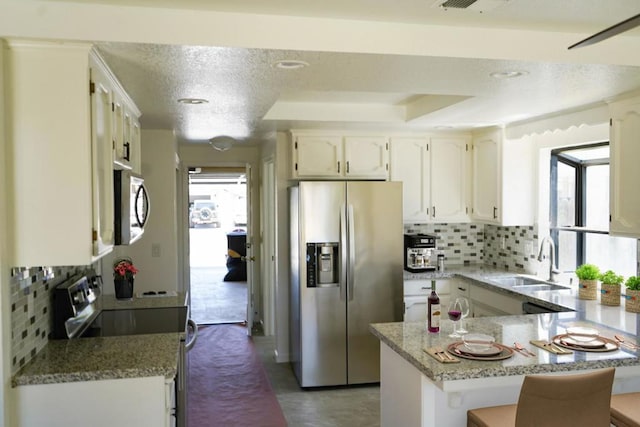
[(464, 305), (455, 314)]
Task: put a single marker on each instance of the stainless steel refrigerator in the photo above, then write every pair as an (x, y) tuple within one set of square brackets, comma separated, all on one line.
[(346, 273)]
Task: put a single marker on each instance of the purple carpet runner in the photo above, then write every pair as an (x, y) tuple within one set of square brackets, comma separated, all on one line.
[(228, 385)]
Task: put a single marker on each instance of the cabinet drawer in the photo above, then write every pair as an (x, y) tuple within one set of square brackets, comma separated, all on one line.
[(423, 287)]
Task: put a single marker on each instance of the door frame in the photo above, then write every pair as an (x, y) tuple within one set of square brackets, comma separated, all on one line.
[(183, 207)]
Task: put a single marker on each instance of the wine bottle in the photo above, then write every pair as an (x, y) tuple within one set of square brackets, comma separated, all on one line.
[(433, 310)]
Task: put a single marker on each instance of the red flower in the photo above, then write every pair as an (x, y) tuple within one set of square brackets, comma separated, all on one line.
[(124, 268)]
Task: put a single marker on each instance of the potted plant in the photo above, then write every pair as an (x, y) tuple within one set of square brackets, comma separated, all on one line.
[(632, 299), (588, 275), (610, 288), (124, 273)]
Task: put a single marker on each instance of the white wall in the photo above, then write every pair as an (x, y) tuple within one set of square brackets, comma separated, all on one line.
[(5, 292), (159, 172), (282, 150)]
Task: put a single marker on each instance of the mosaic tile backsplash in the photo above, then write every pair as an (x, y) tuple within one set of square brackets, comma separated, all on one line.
[(31, 309), (510, 248), (461, 243)]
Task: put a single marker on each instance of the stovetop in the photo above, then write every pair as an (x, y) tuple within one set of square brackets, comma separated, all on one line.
[(138, 321)]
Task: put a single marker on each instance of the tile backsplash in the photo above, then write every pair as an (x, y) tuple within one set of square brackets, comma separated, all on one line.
[(510, 248), (31, 309), (461, 243)]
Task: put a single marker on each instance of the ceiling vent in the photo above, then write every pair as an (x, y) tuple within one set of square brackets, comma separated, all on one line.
[(475, 5)]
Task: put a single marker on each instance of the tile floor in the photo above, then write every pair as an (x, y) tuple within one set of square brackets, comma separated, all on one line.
[(326, 407), (216, 301)]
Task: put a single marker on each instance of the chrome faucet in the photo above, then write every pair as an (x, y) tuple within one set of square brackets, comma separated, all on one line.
[(553, 271)]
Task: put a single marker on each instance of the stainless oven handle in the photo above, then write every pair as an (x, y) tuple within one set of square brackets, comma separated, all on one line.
[(188, 346)]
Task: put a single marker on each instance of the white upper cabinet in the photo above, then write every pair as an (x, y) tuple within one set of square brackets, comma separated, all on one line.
[(60, 185), (449, 179), (338, 157), (503, 179), (624, 198), (59, 121), (366, 157), (125, 129), (486, 171), (410, 158), (434, 174)]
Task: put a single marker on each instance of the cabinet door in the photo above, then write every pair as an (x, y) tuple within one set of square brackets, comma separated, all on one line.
[(318, 156), (366, 157), (136, 150), (102, 166), (118, 131), (486, 169), (410, 165), (624, 198), (449, 173)]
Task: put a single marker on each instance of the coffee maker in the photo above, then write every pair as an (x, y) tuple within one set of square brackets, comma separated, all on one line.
[(419, 252)]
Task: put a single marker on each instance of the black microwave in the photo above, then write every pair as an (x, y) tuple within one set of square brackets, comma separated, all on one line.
[(131, 203)]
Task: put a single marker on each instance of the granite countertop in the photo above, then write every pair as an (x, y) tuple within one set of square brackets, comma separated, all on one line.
[(409, 339), (102, 358)]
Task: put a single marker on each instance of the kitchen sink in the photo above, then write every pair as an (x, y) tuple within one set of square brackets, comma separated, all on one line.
[(528, 283)]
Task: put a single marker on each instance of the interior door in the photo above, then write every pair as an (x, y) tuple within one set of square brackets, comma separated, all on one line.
[(250, 257)]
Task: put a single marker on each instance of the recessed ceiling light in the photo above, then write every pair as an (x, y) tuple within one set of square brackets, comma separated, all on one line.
[(290, 64), (508, 74), (193, 101), (443, 127)]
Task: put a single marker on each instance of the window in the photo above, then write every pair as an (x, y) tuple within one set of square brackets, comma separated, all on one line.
[(580, 212)]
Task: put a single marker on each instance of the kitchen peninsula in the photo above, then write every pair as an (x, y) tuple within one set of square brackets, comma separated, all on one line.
[(418, 390)]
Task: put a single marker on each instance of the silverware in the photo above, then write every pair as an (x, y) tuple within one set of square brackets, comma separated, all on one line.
[(523, 349), (443, 354), (622, 342), (558, 349)]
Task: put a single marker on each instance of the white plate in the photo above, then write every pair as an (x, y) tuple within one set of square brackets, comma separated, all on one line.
[(491, 351), (589, 344)]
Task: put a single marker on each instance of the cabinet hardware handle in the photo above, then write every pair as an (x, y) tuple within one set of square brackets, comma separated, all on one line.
[(495, 212), (460, 289), (433, 211), (127, 150), (347, 166), (338, 167)]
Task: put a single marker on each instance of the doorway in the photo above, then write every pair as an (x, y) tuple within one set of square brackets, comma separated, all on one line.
[(217, 219)]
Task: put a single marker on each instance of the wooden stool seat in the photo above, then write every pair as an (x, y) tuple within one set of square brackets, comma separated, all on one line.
[(625, 410), (554, 401)]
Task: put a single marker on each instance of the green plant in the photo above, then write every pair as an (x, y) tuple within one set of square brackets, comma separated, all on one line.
[(633, 283), (588, 272), (611, 278)]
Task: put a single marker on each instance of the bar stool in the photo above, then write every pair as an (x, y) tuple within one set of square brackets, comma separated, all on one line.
[(625, 410), (553, 401)]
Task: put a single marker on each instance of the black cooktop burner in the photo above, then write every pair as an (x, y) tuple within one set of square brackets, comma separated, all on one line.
[(111, 323)]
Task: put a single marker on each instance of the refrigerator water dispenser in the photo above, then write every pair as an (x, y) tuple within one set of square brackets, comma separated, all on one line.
[(322, 264)]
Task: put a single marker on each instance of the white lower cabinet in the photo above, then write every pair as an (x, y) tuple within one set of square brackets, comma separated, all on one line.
[(129, 402), (485, 302), (416, 293)]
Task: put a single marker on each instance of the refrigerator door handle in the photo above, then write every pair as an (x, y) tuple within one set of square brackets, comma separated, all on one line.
[(343, 253), (352, 251)]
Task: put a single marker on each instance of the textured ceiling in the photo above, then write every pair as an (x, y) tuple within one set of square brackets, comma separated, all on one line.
[(249, 99), (370, 91)]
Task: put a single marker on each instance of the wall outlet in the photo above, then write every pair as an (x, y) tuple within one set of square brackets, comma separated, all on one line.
[(528, 247), (155, 250)]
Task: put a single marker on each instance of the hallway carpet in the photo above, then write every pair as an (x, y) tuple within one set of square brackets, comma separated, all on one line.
[(228, 386)]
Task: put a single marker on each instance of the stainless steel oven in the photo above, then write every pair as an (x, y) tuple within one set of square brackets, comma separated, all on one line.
[(76, 315)]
